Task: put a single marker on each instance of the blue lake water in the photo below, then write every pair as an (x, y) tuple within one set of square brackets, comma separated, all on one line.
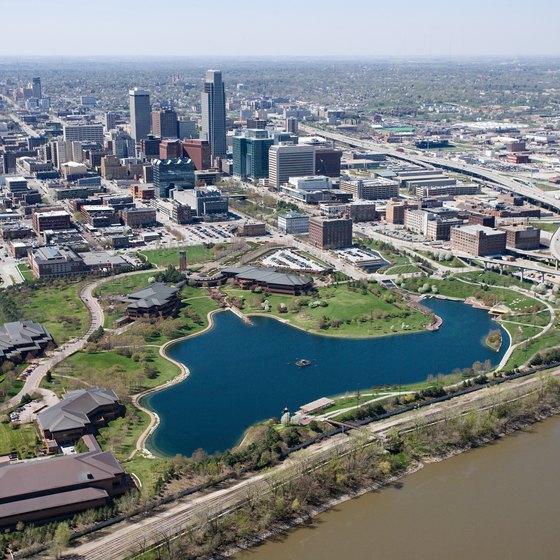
[(241, 374)]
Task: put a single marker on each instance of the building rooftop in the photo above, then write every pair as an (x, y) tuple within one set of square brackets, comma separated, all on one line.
[(74, 410), (157, 294), (40, 476), (267, 275)]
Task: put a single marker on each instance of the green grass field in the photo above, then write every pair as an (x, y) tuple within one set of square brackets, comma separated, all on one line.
[(551, 227), (361, 315), (26, 272), (195, 254), (457, 289), (57, 307), (22, 439)]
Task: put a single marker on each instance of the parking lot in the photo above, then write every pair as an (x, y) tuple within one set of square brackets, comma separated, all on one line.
[(286, 258)]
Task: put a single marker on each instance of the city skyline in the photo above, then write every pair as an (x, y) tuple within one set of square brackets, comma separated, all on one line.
[(359, 28)]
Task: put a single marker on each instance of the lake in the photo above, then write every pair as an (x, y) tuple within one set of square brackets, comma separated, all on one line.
[(242, 374)]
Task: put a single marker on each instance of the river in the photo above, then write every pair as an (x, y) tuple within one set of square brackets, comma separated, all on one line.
[(243, 374), (497, 502)]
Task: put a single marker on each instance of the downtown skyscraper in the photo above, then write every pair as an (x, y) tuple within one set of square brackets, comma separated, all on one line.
[(213, 101), (140, 114)]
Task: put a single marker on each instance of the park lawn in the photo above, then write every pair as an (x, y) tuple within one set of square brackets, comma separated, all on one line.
[(401, 269), (57, 307), (23, 440), (353, 308), (195, 254), (540, 319), (454, 288), (518, 333), (551, 227), (120, 435), (122, 285), (26, 272), (491, 278), (522, 354), (453, 263), (148, 470), (105, 361)]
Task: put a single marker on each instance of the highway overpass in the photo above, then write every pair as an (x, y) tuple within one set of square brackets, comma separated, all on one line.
[(543, 198)]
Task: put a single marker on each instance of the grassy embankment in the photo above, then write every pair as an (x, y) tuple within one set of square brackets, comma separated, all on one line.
[(399, 263), (342, 311)]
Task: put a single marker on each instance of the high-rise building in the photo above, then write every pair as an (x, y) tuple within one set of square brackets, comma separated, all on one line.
[(187, 128), (290, 160), (199, 152), (36, 87), (327, 161), (150, 146), (140, 117), (172, 173), (84, 132), (330, 233), (123, 144), (164, 123), (213, 101), (111, 120), (291, 125), (250, 154), (170, 149)]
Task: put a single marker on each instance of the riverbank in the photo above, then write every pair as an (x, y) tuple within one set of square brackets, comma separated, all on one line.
[(354, 469), (495, 485)]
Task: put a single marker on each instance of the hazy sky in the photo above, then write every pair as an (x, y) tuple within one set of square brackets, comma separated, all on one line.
[(283, 27)]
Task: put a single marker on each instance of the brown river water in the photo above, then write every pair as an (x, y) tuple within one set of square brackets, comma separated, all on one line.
[(498, 502)]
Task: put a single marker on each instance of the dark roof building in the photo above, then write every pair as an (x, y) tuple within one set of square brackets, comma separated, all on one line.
[(79, 413), (249, 277), (21, 337), (157, 300), (42, 489)]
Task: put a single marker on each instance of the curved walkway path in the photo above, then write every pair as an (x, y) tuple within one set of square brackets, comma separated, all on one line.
[(97, 319)]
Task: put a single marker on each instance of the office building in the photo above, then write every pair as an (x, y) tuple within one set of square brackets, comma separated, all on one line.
[(111, 169), (327, 161), (521, 236), (330, 233), (429, 224), (123, 144), (293, 222), (213, 102), (52, 262), (170, 149), (477, 240), (157, 300), (164, 123), (172, 173), (375, 188), (111, 119), (199, 151), (292, 125), (21, 338), (290, 160), (138, 217), (54, 219), (140, 115), (395, 209), (84, 133), (36, 88), (251, 153), (207, 202), (150, 146), (251, 229), (187, 128), (143, 192), (39, 490)]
